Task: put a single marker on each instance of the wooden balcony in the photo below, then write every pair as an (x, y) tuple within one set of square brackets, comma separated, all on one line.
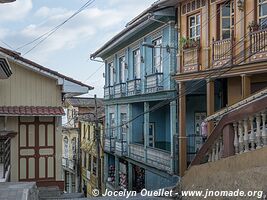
[(154, 157), (137, 152), (239, 130), (133, 87), (222, 52), (191, 58), (109, 92), (109, 144), (120, 90), (4, 158), (258, 42), (121, 148), (154, 82)]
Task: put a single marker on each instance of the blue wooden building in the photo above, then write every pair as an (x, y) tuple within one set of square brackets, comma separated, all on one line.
[(140, 101)]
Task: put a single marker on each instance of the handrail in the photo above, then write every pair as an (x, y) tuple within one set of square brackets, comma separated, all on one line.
[(154, 74), (236, 105), (236, 115)]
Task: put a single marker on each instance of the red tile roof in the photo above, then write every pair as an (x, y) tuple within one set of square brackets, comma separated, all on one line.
[(31, 111)]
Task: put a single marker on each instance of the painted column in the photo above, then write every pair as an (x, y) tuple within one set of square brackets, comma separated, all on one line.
[(210, 102), (206, 36), (179, 54), (182, 129), (173, 131), (130, 177), (246, 86), (129, 131), (105, 168), (146, 128)]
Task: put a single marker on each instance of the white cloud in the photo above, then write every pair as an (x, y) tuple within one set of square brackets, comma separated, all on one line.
[(15, 11)]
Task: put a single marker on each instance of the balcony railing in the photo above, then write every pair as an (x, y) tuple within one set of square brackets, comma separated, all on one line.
[(258, 44), (120, 90), (154, 82), (109, 144), (222, 52), (133, 87), (68, 163), (191, 58), (240, 130), (159, 158), (155, 157), (4, 156), (137, 152), (109, 92), (121, 148)]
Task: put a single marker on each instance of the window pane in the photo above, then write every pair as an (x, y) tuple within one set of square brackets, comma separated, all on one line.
[(263, 22), (263, 9), (198, 31), (198, 19), (192, 21), (226, 23), (225, 34), (226, 10)]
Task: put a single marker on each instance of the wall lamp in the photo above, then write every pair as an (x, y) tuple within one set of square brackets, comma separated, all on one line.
[(240, 5)]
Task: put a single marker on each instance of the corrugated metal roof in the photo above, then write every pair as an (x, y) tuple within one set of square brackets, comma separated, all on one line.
[(31, 111)]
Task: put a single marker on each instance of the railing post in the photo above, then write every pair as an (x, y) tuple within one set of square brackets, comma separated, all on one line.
[(241, 137), (236, 142), (252, 133), (229, 138), (258, 132), (264, 135), (213, 55)]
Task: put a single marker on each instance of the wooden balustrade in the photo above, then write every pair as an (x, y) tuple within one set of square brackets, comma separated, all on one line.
[(248, 123), (159, 158), (137, 152), (119, 90), (109, 144), (154, 82), (258, 44), (191, 59), (222, 52), (121, 147), (133, 87), (108, 92)]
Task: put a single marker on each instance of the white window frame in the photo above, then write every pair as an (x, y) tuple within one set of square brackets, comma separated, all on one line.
[(123, 70), (112, 75), (261, 17), (194, 27), (157, 55), (137, 63), (230, 17)]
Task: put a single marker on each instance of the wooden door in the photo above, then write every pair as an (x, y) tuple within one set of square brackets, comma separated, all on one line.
[(36, 147)]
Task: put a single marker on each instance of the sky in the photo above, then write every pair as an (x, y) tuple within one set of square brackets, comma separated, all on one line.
[(68, 50)]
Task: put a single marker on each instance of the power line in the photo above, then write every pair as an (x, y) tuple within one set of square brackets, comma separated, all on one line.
[(53, 30)]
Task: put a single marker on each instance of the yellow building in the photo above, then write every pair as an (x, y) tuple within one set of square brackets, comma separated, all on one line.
[(221, 61), (89, 150), (31, 120)]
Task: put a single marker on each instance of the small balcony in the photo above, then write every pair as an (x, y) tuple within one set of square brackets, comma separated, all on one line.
[(109, 92), (121, 148), (120, 90), (154, 82), (222, 52), (154, 157), (4, 158), (258, 42), (68, 163), (133, 87), (191, 57), (109, 144)]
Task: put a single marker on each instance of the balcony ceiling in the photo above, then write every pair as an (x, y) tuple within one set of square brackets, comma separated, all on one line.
[(6, 1)]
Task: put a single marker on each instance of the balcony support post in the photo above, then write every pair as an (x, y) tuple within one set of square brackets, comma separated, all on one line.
[(210, 103), (173, 131), (228, 140), (246, 86), (70, 183), (146, 128), (116, 172), (130, 177), (182, 129)]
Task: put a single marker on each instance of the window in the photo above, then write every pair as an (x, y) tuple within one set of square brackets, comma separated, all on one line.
[(157, 55), (94, 165), (89, 162), (123, 128), (227, 20), (112, 124), (137, 63), (66, 147), (112, 74), (194, 27), (123, 70), (263, 13), (73, 144)]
